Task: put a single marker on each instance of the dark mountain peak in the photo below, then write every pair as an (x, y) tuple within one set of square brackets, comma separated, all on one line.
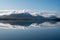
[(23, 14)]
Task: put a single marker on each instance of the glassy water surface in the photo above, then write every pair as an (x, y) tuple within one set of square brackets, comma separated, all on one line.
[(29, 30)]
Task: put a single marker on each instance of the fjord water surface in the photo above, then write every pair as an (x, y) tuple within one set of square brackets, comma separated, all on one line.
[(29, 30)]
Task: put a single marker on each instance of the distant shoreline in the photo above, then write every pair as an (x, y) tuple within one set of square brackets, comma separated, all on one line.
[(56, 19)]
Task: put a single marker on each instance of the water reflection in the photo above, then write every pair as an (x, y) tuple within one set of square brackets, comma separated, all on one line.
[(23, 24)]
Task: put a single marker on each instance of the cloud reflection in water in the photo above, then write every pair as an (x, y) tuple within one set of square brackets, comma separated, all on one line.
[(28, 24)]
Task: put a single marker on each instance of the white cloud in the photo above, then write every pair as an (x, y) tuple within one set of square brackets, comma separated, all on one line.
[(34, 25), (34, 13)]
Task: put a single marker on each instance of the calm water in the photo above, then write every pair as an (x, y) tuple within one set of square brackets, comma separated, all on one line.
[(29, 30)]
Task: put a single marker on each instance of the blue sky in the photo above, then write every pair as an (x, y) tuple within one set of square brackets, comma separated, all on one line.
[(30, 4)]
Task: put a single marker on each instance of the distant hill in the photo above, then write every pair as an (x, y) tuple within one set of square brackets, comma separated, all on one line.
[(52, 17)]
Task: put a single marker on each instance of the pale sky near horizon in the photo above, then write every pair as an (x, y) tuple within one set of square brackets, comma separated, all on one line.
[(30, 4)]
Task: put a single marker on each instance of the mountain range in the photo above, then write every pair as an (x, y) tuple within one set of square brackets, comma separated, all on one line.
[(28, 15)]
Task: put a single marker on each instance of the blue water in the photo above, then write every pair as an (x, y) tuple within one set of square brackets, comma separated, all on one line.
[(29, 30)]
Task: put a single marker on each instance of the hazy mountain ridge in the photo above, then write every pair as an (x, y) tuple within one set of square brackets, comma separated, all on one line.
[(28, 14)]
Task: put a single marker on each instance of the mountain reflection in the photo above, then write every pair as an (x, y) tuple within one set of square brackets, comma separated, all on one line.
[(26, 24)]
